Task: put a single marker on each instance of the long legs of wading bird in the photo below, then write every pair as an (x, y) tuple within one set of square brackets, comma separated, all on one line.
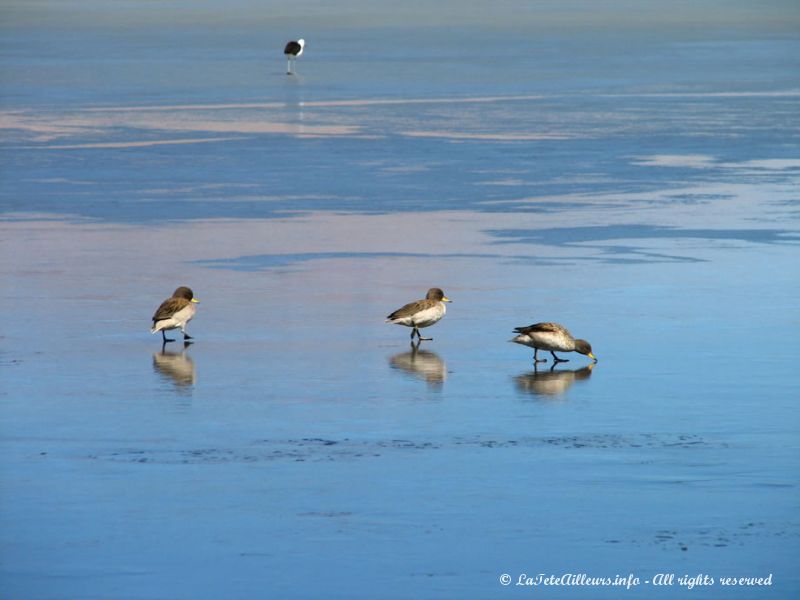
[(536, 358), (419, 337), (551, 369), (187, 340)]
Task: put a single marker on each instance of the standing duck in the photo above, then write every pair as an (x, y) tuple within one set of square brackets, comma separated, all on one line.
[(551, 337), (291, 51), (175, 313), (421, 313)]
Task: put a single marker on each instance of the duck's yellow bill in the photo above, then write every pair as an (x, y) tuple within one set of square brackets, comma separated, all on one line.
[(446, 299), (195, 300), (590, 355)]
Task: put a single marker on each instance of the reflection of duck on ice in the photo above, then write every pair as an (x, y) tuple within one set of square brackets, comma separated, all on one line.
[(177, 367), (421, 363), (551, 382)]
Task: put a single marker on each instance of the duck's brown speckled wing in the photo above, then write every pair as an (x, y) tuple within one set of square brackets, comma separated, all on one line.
[(542, 328), (169, 307), (412, 308)]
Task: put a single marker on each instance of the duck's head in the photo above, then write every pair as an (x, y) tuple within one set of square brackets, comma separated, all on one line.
[(584, 347), (437, 294), (185, 292)]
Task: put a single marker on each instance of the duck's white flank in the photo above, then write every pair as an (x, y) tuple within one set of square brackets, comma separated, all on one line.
[(177, 321), (423, 318), (547, 340)]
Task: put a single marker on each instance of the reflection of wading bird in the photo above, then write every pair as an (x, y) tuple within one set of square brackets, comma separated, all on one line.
[(422, 313), (422, 363), (175, 313), (552, 337), (551, 382), (291, 52), (177, 367)]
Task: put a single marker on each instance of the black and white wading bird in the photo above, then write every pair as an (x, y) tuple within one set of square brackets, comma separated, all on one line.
[(422, 313), (292, 50), (175, 313)]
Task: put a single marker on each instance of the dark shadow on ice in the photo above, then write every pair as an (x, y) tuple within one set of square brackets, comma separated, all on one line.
[(261, 262), (422, 364), (551, 382), (606, 240), (560, 236), (325, 450), (176, 367)]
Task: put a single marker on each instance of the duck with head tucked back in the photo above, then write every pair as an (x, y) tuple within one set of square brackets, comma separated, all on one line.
[(291, 51), (552, 337), (175, 313), (421, 313)]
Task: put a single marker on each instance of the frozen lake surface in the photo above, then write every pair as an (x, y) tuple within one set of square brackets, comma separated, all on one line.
[(639, 185)]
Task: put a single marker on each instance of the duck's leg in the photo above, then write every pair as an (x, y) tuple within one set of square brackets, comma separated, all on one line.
[(419, 336), (165, 338), (414, 332), (558, 360), (536, 359)]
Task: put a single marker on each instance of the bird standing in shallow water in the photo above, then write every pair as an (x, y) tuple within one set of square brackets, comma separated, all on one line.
[(292, 50), (422, 313), (175, 313), (552, 337)]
